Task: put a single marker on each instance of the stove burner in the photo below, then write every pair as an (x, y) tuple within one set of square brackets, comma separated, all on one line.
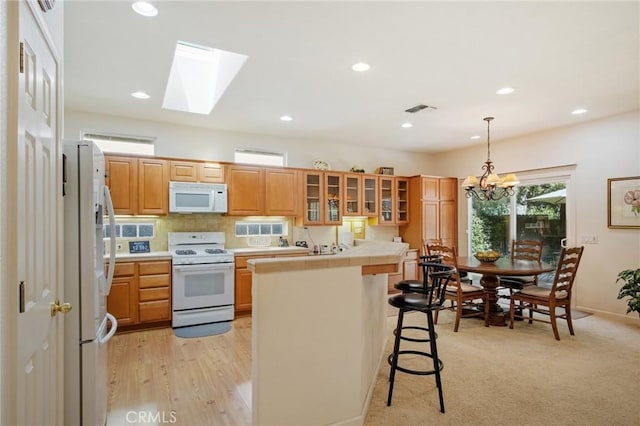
[(185, 252), (214, 251)]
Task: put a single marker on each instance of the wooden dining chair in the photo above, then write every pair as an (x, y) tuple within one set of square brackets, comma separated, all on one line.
[(522, 250), (544, 300), (466, 300)]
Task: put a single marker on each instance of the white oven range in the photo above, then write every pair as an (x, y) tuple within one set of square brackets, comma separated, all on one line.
[(203, 278)]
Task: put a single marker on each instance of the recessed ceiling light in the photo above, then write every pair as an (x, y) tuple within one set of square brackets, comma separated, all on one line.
[(140, 95), (475, 137), (361, 67), (144, 8), (578, 111), (286, 118), (407, 125), (505, 91)]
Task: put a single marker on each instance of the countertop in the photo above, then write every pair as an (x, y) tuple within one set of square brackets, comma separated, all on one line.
[(369, 253), (269, 250), (154, 255)]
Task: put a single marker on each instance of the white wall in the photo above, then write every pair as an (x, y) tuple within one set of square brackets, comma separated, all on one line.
[(600, 149), (200, 143)]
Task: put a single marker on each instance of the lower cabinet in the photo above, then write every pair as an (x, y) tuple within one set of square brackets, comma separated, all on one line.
[(407, 271), (141, 292), (243, 281)]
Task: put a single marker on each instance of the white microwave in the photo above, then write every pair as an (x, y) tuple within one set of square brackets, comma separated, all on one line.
[(187, 197)]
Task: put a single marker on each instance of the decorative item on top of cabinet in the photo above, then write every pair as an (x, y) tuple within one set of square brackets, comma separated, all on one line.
[(434, 211), (322, 192), (196, 171), (257, 191)]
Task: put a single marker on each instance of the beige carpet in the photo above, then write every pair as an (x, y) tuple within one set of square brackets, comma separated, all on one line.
[(499, 376)]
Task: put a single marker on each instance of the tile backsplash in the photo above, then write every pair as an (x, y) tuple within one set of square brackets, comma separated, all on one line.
[(226, 224)]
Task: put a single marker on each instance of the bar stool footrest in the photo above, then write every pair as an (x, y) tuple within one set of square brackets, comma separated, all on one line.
[(417, 372), (412, 339)]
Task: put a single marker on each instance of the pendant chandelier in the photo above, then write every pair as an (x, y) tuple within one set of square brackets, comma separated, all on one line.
[(490, 186)]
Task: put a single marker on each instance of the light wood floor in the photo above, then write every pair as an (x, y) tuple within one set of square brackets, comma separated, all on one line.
[(158, 378)]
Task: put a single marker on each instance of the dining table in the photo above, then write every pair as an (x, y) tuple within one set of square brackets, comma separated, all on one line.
[(490, 282)]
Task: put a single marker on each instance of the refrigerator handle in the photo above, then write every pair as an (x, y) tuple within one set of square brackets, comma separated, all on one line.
[(112, 240), (112, 331)]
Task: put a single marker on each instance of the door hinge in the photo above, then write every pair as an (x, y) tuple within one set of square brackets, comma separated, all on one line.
[(21, 58), (21, 301)]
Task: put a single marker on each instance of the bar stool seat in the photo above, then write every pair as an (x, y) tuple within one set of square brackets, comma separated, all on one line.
[(435, 279)]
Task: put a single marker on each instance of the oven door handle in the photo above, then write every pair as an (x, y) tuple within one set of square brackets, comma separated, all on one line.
[(203, 267)]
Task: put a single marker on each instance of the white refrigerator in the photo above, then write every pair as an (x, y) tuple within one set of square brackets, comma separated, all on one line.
[(88, 326)]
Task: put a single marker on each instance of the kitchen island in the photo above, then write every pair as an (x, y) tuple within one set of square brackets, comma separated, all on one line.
[(318, 334)]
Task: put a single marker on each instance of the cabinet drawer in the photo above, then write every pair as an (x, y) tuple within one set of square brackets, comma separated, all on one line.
[(149, 281), (154, 268), (126, 269), (148, 294), (159, 310)]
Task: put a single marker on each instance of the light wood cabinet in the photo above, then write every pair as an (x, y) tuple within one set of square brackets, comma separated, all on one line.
[(138, 185), (243, 281), (195, 171), (153, 186), (141, 293), (322, 195), (122, 180), (360, 195), (434, 213), (257, 191), (394, 199)]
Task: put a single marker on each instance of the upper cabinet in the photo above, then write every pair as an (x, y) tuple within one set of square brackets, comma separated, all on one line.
[(322, 195), (360, 195), (138, 185), (195, 171), (435, 216), (257, 191), (393, 195), (122, 180), (153, 186)]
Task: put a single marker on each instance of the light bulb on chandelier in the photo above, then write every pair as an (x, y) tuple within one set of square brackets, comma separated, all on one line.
[(489, 186)]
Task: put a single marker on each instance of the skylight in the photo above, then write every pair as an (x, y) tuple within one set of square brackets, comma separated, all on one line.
[(199, 76)]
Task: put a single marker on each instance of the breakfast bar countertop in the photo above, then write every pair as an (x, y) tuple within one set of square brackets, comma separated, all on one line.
[(367, 254)]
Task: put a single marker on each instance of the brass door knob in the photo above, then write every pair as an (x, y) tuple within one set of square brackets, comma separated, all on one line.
[(57, 307)]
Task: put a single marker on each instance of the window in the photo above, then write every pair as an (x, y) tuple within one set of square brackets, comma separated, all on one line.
[(537, 211), (263, 158), (122, 144), (131, 230), (252, 229)]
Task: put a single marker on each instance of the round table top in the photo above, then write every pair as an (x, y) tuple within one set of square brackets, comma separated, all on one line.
[(503, 266)]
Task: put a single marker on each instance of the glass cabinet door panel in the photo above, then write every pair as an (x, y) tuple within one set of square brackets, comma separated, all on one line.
[(402, 201), (387, 191), (352, 190), (313, 201), (370, 196), (333, 184)]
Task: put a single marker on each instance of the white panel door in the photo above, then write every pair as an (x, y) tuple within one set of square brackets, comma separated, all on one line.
[(39, 354)]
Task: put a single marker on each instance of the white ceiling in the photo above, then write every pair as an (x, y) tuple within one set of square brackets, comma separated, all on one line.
[(452, 55)]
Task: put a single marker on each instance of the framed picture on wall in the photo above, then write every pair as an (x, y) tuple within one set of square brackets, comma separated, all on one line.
[(623, 199)]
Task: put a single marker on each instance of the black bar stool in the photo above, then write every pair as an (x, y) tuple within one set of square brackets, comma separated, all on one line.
[(435, 279), (417, 285)]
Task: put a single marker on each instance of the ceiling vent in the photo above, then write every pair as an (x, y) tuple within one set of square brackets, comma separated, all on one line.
[(419, 107)]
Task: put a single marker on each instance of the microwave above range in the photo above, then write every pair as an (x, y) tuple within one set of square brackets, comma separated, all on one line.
[(187, 197)]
